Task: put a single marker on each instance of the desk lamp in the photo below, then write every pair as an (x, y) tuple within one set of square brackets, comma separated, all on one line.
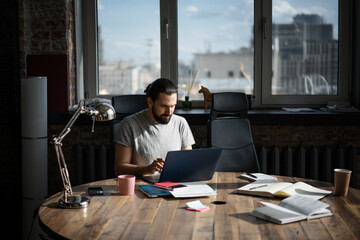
[(99, 112)]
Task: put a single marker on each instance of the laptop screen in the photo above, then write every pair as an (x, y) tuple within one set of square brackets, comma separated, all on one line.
[(188, 165)]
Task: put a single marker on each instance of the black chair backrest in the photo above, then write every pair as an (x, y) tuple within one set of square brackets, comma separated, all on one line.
[(230, 129), (229, 104), (125, 105)]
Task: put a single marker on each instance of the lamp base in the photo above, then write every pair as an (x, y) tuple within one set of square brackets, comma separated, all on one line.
[(74, 202)]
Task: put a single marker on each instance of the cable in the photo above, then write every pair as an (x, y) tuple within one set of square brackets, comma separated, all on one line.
[(32, 223)]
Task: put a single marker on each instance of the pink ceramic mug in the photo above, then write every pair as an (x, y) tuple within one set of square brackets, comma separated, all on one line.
[(126, 184)]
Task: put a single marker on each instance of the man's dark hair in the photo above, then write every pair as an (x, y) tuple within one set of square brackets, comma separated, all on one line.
[(160, 85)]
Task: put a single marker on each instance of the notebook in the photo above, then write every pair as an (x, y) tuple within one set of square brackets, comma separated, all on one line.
[(188, 166)]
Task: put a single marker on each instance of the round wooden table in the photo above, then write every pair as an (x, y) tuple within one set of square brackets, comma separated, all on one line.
[(113, 216)]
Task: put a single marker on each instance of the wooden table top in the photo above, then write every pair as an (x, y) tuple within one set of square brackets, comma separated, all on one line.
[(113, 216)]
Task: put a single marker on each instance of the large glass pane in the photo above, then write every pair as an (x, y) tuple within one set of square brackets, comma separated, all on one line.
[(305, 47), (215, 50), (129, 45)]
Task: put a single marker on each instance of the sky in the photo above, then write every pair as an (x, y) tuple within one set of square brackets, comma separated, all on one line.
[(130, 29)]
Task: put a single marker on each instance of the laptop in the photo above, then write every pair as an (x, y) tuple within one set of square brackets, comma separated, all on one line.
[(188, 166)]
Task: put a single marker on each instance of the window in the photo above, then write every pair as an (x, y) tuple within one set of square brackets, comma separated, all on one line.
[(128, 45), (215, 39), (303, 46), (284, 52), (304, 54)]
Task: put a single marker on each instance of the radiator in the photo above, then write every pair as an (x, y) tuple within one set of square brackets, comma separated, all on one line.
[(93, 163), (309, 162)]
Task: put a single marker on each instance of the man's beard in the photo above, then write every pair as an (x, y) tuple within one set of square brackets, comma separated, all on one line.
[(159, 119)]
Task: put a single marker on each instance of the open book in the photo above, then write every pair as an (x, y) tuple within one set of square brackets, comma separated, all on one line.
[(282, 189), (292, 209)]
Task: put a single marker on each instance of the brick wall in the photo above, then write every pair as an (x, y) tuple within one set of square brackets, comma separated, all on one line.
[(46, 27)]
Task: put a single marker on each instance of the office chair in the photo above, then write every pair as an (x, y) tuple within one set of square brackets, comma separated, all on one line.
[(124, 106), (229, 129)]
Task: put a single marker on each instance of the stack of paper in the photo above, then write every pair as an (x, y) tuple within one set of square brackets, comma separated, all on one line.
[(194, 189), (299, 109)]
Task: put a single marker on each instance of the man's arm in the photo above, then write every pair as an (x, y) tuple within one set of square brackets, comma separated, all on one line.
[(122, 163), (187, 148)]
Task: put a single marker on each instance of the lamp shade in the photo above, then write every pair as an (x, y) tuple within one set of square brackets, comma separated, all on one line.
[(106, 112)]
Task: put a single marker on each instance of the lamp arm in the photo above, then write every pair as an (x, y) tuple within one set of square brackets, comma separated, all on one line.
[(63, 170), (98, 112), (59, 153), (68, 126)]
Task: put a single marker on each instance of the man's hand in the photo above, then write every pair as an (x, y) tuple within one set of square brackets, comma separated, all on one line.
[(123, 163), (156, 165)]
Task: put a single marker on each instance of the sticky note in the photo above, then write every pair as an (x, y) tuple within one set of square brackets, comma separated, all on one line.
[(196, 206)]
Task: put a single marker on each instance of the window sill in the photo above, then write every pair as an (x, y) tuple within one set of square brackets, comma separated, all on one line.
[(279, 117), (262, 117)]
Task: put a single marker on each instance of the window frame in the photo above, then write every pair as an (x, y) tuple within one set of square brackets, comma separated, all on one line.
[(87, 59), (168, 39), (86, 41)]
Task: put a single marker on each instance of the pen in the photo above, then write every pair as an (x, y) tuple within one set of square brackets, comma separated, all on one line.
[(257, 187), (251, 175)]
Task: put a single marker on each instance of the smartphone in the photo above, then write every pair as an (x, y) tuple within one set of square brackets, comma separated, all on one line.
[(95, 191)]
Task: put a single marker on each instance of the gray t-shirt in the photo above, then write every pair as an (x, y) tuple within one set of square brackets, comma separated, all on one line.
[(151, 140)]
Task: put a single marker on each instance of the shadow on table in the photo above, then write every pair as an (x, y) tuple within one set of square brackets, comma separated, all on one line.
[(246, 217), (226, 185)]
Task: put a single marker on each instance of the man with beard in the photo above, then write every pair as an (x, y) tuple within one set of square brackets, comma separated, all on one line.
[(144, 138)]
